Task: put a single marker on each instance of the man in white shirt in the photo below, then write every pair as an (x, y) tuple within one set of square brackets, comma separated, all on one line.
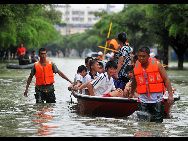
[(104, 85)]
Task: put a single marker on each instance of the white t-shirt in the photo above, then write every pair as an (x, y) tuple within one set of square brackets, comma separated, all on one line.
[(78, 77), (102, 85), (88, 78)]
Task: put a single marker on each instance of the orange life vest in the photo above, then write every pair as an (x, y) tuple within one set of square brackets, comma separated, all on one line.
[(127, 43), (114, 43), (99, 57), (155, 81), (44, 74)]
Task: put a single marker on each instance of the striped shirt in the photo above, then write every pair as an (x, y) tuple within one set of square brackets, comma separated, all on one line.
[(102, 85)]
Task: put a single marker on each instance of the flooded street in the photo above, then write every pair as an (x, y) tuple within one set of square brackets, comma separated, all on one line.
[(22, 117)]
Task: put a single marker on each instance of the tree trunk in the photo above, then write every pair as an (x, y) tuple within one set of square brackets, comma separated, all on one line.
[(165, 54), (180, 61)]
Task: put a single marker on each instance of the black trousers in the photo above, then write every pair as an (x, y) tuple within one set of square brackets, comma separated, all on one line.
[(155, 110), (49, 97)]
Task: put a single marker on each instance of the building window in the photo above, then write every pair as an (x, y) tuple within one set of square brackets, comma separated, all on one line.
[(78, 12), (95, 19), (81, 19), (90, 13), (75, 19), (89, 19), (66, 12)]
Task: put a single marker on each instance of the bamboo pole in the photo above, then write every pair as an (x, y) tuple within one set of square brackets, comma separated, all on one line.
[(108, 49), (106, 41)]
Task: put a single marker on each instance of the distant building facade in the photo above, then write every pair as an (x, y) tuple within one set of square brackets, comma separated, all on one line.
[(79, 20)]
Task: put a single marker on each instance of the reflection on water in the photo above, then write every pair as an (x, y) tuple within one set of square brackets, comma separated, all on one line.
[(22, 117)]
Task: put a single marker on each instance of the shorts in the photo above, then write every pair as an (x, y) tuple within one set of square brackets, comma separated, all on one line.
[(42, 96), (154, 110), (107, 95)]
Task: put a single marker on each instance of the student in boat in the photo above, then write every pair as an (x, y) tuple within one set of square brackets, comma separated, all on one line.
[(81, 73), (101, 68), (34, 57), (21, 52), (123, 59), (127, 90), (43, 71), (87, 60), (25, 59), (92, 74), (104, 85), (148, 78)]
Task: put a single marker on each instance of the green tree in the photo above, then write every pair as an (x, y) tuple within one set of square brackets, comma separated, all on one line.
[(169, 23), (28, 24)]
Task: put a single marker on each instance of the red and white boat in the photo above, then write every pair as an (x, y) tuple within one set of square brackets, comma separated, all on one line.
[(113, 106)]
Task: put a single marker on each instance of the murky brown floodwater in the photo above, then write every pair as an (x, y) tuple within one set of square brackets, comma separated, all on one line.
[(21, 117)]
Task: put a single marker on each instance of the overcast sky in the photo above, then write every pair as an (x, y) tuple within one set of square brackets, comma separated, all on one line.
[(100, 6)]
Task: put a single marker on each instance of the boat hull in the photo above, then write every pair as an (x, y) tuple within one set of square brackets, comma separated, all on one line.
[(15, 66), (112, 106)]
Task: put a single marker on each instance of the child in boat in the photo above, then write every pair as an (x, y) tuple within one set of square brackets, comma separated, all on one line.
[(81, 73), (87, 61), (101, 68), (92, 74), (127, 90), (104, 85)]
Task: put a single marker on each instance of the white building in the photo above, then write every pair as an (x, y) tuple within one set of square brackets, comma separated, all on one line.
[(79, 19)]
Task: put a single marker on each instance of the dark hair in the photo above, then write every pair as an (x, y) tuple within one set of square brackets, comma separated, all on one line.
[(87, 58), (108, 39), (92, 62), (144, 49), (135, 58), (111, 64), (81, 68), (42, 49), (129, 68), (122, 36), (101, 64)]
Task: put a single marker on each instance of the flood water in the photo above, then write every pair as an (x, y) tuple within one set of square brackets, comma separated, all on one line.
[(22, 117)]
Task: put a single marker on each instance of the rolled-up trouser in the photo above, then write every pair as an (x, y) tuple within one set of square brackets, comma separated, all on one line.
[(155, 110), (41, 96)]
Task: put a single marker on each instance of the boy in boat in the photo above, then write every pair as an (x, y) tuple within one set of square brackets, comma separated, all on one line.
[(101, 68), (87, 61), (25, 59), (127, 90), (43, 71), (92, 74), (34, 57), (148, 78), (81, 73), (104, 85)]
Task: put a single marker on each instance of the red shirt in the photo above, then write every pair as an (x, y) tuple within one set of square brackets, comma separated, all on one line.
[(20, 50)]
